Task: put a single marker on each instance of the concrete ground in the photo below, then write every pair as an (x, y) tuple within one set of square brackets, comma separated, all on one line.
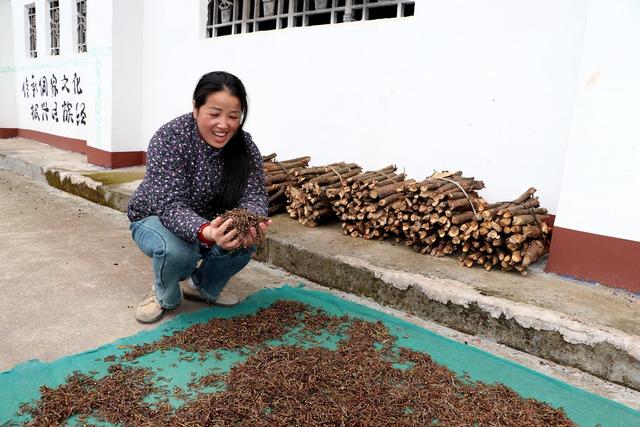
[(71, 277)]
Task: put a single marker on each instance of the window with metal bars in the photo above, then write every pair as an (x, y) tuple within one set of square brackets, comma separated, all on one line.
[(81, 25), (31, 21), (226, 17), (54, 27)]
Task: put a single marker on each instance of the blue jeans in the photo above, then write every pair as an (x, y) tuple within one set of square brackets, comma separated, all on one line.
[(174, 259)]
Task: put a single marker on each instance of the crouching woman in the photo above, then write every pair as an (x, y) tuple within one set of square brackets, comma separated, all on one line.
[(199, 165)]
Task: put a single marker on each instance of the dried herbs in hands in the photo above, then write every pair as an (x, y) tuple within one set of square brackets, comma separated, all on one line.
[(243, 221)]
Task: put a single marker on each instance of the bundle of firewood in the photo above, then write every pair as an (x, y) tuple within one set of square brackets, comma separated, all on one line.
[(507, 235), (306, 198), (427, 214), (368, 203), (278, 175)]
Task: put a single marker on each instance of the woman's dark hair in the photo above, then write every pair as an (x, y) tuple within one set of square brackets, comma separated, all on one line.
[(235, 155)]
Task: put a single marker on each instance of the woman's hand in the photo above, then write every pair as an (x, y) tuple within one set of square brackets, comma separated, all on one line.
[(223, 234), (251, 238)]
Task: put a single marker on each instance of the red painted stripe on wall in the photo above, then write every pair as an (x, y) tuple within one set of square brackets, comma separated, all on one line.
[(108, 159), (116, 159), (69, 144), (551, 219), (8, 132), (593, 257)]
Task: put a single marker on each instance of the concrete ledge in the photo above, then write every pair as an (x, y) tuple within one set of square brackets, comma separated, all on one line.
[(601, 350), (115, 196), (70, 172)]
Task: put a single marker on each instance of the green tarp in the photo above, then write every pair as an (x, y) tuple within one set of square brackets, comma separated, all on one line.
[(174, 368)]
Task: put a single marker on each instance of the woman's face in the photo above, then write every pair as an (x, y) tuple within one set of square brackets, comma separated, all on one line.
[(218, 118)]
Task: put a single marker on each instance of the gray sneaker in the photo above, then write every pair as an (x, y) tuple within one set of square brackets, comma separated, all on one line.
[(192, 292), (149, 310)]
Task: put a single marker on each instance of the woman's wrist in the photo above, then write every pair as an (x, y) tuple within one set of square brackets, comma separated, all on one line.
[(204, 235)]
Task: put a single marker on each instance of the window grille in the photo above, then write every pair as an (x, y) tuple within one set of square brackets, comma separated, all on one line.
[(81, 25), (31, 20), (225, 17), (54, 26)]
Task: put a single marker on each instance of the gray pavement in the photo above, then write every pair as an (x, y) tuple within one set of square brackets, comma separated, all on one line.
[(71, 277)]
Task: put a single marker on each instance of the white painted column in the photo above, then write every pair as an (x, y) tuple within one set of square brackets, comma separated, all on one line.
[(128, 54), (602, 171)]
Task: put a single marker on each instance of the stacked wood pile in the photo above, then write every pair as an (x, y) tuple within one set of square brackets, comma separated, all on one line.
[(278, 175), (306, 198), (368, 204), (441, 215), (507, 235)]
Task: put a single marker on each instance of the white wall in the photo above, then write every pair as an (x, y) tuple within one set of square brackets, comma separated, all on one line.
[(126, 122), (8, 112), (602, 172), (171, 57), (485, 87), (99, 49), (92, 93)]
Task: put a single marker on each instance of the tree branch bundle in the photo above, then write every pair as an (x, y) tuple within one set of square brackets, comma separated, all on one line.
[(306, 197), (369, 204), (507, 235), (278, 175), (437, 207)]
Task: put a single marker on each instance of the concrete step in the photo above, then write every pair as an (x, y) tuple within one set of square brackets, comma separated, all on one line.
[(70, 172)]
